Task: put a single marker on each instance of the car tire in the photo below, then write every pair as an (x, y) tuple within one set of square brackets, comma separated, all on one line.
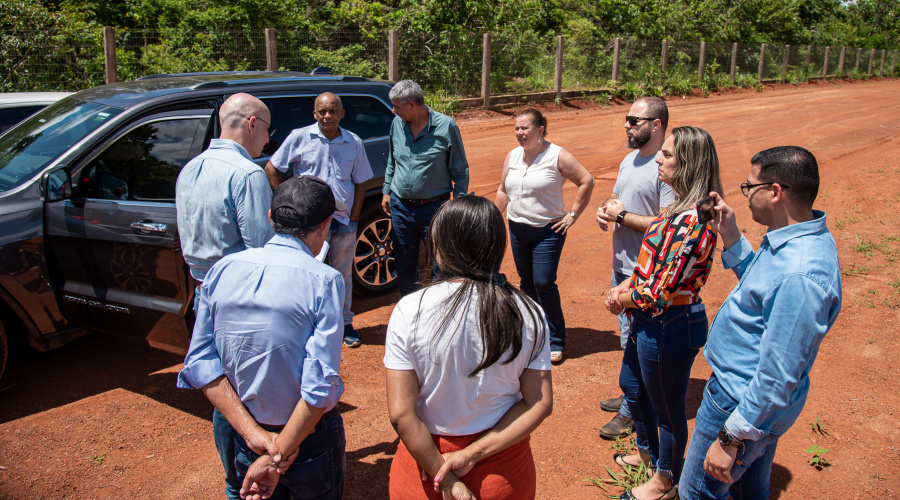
[(4, 349), (374, 269)]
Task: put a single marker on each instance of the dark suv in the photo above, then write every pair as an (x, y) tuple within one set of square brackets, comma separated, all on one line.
[(88, 239)]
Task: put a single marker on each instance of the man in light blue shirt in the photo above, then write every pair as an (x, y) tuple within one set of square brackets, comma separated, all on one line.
[(268, 339), (766, 335), (338, 157), (427, 163), (222, 200)]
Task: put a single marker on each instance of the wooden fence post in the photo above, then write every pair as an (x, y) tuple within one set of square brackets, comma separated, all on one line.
[(734, 48), (825, 64), (808, 54), (486, 71), (841, 60), (871, 61), (762, 62), (787, 53), (111, 71), (858, 57), (702, 61), (881, 68), (393, 55), (894, 63), (271, 50), (665, 55), (617, 45), (559, 66)]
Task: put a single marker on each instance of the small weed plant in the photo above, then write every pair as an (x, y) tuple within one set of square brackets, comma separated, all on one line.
[(818, 459), (817, 427), (631, 477)]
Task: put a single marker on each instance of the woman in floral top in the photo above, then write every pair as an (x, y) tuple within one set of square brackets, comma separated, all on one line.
[(669, 322)]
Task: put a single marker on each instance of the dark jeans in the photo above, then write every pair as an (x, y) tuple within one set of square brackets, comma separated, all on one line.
[(655, 373), (410, 224), (223, 435), (753, 463), (318, 471), (536, 251)]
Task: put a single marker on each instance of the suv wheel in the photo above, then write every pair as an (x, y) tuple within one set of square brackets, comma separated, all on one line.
[(374, 270)]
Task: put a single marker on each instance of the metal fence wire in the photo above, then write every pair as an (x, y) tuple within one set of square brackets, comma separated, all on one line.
[(446, 64)]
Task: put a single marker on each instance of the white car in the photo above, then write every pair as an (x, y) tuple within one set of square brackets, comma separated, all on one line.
[(17, 106)]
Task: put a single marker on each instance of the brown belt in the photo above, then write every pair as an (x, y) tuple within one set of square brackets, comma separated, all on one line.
[(419, 203)]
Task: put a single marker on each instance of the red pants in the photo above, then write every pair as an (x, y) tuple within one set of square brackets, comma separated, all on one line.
[(508, 475)]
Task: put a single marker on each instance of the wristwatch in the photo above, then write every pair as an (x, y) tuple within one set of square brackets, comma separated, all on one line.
[(573, 214), (726, 439), (620, 219)]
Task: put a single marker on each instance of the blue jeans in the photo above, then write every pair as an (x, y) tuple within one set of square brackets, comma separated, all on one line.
[(536, 251), (224, 436), (624, 331), (410, 226), (655, 373), (317, 472), (753, 463), (342, 242)]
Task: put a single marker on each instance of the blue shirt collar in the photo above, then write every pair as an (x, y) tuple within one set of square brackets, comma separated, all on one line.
[(779, 237), (229, 144), (284, 240), (315, 131)]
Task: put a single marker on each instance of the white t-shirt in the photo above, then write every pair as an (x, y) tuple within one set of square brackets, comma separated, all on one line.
[(535, 191), (450, 402)]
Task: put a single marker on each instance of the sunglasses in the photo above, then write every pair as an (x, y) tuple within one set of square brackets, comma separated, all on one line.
[(633, 120), (269, 128)]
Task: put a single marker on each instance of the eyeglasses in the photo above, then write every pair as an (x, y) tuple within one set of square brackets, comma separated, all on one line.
[(269, 128), (632, 120), (746, 186)]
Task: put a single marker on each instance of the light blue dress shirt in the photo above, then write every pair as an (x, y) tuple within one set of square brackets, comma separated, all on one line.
[(429, 165), (222, 200), (766, 335), (341, 162), (270, 320)]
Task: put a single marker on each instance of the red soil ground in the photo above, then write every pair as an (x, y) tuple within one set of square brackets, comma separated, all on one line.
[(101, 418)]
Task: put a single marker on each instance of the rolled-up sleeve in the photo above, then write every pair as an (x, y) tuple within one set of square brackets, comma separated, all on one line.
[(202, 364), (321, 384), (738, 256)]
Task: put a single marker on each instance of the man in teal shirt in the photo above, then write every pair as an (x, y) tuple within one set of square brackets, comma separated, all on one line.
[(427, 163)]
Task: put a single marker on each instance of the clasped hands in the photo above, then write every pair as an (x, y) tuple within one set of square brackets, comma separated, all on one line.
[(608, 213), (612, 302), (446, 480), (263, 475)]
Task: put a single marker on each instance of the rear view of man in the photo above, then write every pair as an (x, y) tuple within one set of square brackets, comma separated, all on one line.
[(338, 157), (636, 200), (222, 200)]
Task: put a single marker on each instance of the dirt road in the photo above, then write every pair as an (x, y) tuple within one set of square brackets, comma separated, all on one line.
[(101, 418)]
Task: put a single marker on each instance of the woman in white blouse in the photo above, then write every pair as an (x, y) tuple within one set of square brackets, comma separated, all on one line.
[(531, 192)]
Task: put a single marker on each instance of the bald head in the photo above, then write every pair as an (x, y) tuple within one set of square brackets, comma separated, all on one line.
[(326, 98), (328, 113), (245, 120)]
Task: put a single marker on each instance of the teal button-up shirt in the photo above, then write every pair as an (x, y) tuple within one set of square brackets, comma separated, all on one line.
[(429, 165)]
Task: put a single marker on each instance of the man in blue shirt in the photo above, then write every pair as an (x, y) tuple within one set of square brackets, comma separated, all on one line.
[(222, 200), (427, 162), (267, 343), (766, 335), (338, 157)]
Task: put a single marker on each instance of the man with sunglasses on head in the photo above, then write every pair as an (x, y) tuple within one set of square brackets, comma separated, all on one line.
[(637, 198), (222, 201), (766, 335), (338, 157)]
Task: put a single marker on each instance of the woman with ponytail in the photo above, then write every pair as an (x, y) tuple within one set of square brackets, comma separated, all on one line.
[(468, 368)]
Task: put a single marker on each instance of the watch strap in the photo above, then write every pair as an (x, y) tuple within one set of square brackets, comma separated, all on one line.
[(620, 219)]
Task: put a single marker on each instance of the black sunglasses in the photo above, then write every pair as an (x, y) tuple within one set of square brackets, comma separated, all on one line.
[(746, 186), (269, 128), (633, 120)]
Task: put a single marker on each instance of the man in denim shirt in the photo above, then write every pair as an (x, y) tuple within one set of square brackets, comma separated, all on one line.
[(427, 162), (269, 325), (766, 335), (338, 157), (222, 200)]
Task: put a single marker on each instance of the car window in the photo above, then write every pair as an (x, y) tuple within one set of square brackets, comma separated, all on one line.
[(288, 113), (144, 163), (366, 116), (43, 137), (12, 116)]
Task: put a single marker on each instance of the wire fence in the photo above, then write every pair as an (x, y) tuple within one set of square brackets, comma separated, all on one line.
[(446, 63)]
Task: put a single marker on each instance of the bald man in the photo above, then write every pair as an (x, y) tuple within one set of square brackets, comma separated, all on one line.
[(222, 200), (338, 157)]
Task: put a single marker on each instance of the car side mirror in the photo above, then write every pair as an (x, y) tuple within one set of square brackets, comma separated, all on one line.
[(55, 185)]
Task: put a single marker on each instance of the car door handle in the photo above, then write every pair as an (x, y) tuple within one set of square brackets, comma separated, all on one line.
[(150, 227)]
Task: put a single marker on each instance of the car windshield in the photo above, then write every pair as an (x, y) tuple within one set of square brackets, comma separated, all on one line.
[(41, 139)]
